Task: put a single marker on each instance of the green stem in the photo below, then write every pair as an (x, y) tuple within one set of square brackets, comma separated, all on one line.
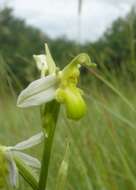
[(49, 119), (27, 173)]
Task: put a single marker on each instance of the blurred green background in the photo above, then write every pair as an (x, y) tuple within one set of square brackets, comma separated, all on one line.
[(102, 150)]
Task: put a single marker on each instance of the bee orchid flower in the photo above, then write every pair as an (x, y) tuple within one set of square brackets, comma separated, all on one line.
[(57, 84)]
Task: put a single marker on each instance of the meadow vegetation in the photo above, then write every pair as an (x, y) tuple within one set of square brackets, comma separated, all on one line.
[(102, 148)]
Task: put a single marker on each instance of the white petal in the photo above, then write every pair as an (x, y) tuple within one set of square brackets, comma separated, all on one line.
[(29, 160), (13, 171), (32, 141), (38, 92)]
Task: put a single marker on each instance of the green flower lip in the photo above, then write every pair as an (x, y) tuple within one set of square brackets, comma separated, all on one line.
[(74, 103), (59, 85)]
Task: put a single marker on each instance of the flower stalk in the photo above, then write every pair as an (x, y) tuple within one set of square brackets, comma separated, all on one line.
[(49, 115)]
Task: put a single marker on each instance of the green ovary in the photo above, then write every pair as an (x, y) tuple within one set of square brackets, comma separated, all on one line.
[(3, 169), (72, 99)]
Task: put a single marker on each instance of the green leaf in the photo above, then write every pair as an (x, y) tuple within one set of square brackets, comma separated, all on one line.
[(63, 170)]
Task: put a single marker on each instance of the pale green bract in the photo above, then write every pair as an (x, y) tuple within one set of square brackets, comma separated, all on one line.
[(56, 84), (8, 169)]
